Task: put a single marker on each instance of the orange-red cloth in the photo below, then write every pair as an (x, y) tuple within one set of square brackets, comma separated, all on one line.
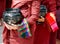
[(52, 21)]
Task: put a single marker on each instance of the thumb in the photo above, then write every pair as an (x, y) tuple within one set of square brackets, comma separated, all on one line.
[(42, 17)]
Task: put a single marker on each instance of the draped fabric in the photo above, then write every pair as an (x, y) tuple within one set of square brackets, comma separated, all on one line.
[(30, 10), (51, 20), (2, 7), (43, 33)]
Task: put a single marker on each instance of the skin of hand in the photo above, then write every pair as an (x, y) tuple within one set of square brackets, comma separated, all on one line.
[(11, 27), (1, 22), (42, 19)]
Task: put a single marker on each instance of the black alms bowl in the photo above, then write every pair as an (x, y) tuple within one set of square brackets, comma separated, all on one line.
[(43, 10), (12, 16)]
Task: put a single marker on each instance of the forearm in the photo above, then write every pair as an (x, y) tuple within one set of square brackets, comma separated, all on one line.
[(34, 12), (18, 3)]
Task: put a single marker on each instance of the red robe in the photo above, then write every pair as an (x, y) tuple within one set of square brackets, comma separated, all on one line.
[(42, 33), (58, 4), (30, 10), (8, 3), (2, 7), (58, 18)]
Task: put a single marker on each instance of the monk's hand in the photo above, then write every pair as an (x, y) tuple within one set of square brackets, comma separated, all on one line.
[(42, 19), (11, 27), (1, 22)]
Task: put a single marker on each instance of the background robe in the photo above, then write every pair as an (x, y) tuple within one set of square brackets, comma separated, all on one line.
[(58, 18), (42, 33)]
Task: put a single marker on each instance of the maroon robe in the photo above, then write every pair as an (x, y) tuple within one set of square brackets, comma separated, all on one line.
[(58, 18), (2, 7), (30, 10), (42, 33), (8, 3)]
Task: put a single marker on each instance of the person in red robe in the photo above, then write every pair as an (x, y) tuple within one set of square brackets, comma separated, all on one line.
[(8, 3), (58, 18), (30, 10), (44, 33), (2, 7)]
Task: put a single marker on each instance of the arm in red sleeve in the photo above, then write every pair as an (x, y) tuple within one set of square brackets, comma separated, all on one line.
[(35, 9), (50, 17), (52, 5), (18, 3)]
